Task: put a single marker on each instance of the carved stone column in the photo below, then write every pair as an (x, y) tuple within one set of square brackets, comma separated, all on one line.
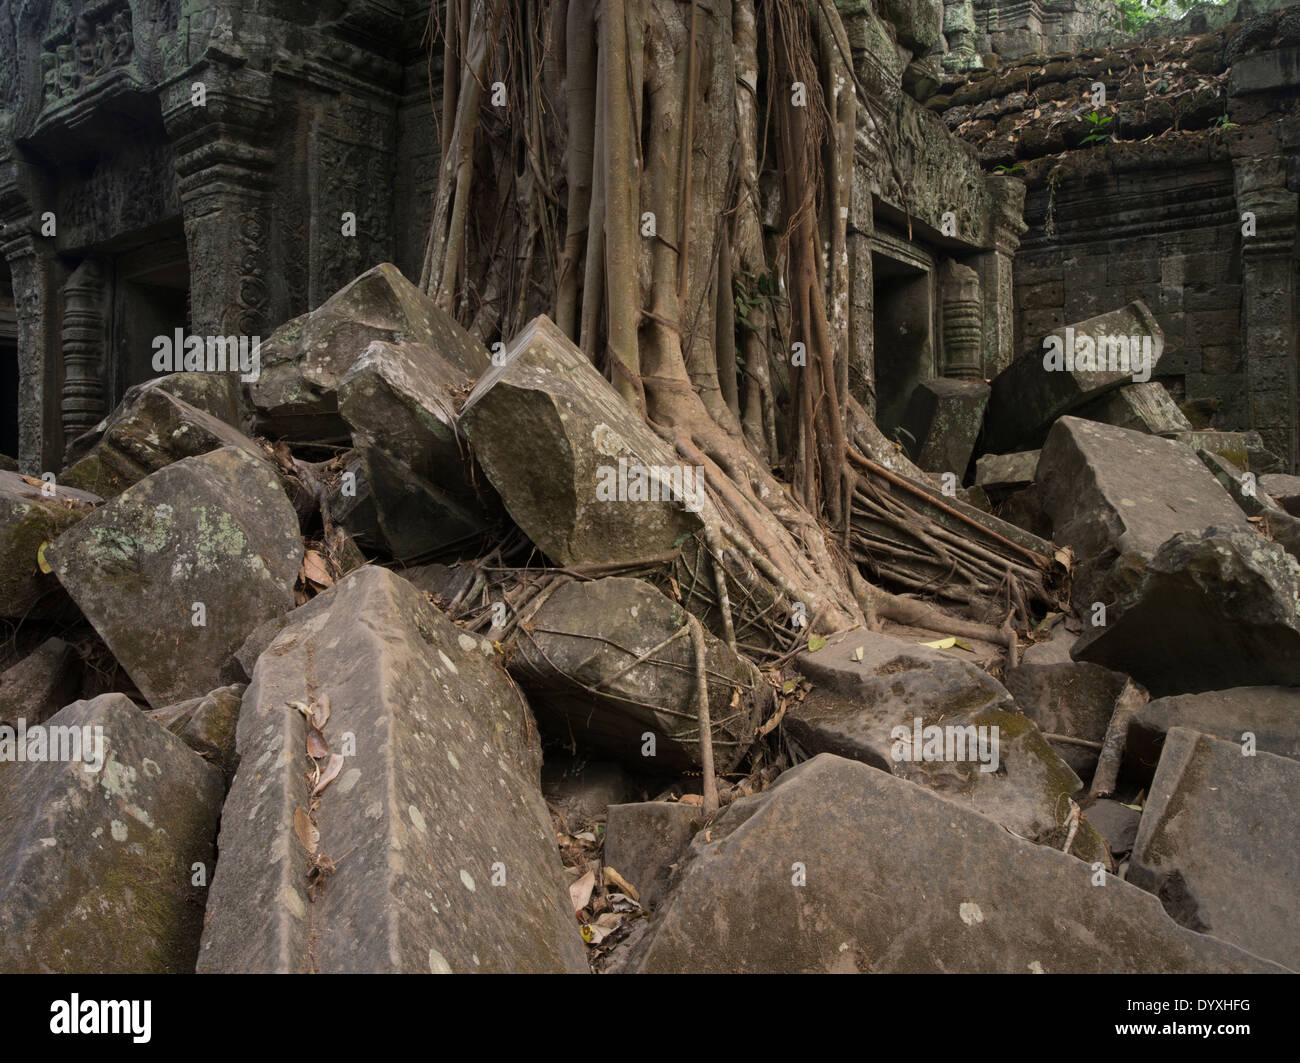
[(1269, 296), (1005, 197), (225, 168), (37, 276), (83, 349), (962, 325)]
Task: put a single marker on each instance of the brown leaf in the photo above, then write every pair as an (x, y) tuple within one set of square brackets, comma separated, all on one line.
[(315, 570), (306, 830), (580, 891), (316, 744), (332, 770), (619, 883)]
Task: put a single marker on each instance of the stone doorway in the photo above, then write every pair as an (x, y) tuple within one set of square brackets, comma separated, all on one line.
[(903, 332), (8, 367)]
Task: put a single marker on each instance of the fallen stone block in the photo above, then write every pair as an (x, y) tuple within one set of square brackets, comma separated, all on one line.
[(944, 417), (304, 360), (399, 400), (1208, 612), (1233, 446), (1243, 487), (1217, 844), (150, 430), (40, 684), (1088, 359), (1115, 497), (1138, 407), (581, 791), (576, 468), (1283, 489), (206, 724), (1117, 823), (176, 571), (104, 859), (1072, 699), (431, 813), (841, 868), (932, 719), (1055, 649), (577, 657), (32, 514), (217, 394), (1005, 471), (1270, 714), (645, 840)]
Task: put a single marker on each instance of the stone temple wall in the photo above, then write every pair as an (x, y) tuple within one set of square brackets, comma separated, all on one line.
[(219, 167), (1185, 197)]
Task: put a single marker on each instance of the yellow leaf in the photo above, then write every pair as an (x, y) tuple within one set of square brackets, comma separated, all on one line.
[(41, 563), (941, 644), (815, 643)]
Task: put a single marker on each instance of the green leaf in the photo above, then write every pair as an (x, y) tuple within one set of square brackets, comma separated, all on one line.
[(815, 643)]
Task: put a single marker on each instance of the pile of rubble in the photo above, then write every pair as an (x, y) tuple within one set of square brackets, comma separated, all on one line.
[(362, 669)]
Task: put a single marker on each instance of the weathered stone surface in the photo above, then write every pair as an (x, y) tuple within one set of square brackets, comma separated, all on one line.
[(1074, 699), (29, 517), (1271, 714), (399, 400), (580, 791), (40, 684), (1217, 844), (1055, 649), (1116, 822), (572, 656), (1230, 445), (549, 430), (150, 430), (96, 866), (855, 707), (944, 418), (206, 724), (1138, 407), (441, 789), (215, 530), (645, 840), (1006, 470), (305, 359), (899, 880), (1283, 489), (1115, 496), (1027, 397), (216, 394), (1243, 488), (1209, 612)]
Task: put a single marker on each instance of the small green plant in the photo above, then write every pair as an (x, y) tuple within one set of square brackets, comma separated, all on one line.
[(1222, 123), (1008, 170), (1098, 122)]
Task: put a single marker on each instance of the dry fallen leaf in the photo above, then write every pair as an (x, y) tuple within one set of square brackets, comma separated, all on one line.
[(313, 568), (580, 891), (306, 830), (614, 879), (332, 770), (316, 744), (691, 799)]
